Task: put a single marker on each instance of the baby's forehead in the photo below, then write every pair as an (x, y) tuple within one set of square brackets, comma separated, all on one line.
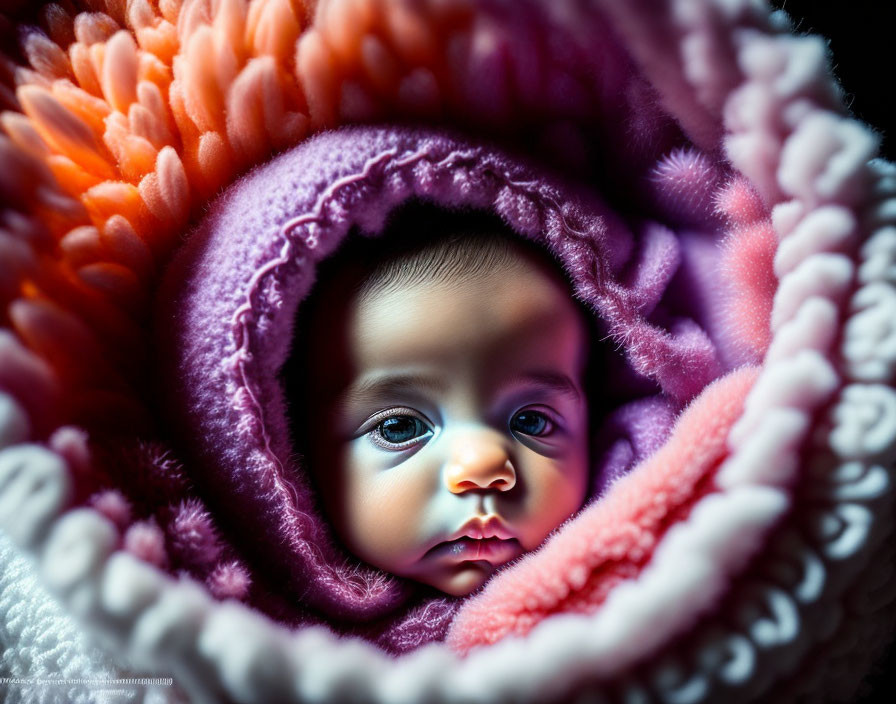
[(482, 255), (413, 259), (430, 302)]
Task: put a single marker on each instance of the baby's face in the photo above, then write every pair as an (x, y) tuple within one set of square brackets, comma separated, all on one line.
[(451, 435)]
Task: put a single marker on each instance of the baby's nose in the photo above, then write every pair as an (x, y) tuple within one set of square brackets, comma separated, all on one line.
[(479, 461)]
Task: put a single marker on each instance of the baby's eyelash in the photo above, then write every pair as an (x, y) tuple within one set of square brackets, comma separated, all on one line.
[(374, 428), (378, 417), (552, 420)]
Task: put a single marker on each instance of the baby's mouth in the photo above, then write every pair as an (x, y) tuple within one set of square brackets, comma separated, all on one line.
[(496, 551)]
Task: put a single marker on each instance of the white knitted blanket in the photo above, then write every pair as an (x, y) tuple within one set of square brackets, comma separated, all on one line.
[(46, 657)]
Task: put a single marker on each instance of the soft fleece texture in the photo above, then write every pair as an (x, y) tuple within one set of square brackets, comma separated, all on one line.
[(116, 136)]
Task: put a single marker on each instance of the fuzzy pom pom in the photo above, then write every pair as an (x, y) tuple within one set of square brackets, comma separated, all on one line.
[(71, 444), (113, 505), (740, 203), (193, 534), (146, 541), (230, 580), (150, 474), (684, 182)]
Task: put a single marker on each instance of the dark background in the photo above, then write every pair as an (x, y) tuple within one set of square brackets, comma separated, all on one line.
[(862, 39)]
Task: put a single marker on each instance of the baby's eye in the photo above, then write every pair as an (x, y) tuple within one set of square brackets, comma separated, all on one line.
[(531, 422), (399, 430)]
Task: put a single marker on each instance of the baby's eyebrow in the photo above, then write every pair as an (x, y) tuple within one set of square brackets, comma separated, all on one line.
[(391, 384), (551, 381)]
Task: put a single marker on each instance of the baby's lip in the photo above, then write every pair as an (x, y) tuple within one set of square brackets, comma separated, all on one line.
[(483, 527), (480, 538), (487, 531), (496, 551)]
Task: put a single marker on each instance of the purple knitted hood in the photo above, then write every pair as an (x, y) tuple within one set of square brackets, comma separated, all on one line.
[(229, 301)]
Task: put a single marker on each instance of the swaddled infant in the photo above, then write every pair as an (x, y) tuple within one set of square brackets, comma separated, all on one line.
[(443, 409)]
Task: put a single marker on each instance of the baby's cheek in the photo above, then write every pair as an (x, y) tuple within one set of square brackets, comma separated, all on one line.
[(556, 489), (384, 510)]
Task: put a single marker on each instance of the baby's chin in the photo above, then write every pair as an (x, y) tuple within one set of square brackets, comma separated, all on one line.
[(460, 579), (461, 566)]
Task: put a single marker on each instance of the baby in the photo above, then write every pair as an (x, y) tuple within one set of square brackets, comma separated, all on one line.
[(444, 416)]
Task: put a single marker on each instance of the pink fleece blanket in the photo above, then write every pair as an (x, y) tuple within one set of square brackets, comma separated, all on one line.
[(612, 541)]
